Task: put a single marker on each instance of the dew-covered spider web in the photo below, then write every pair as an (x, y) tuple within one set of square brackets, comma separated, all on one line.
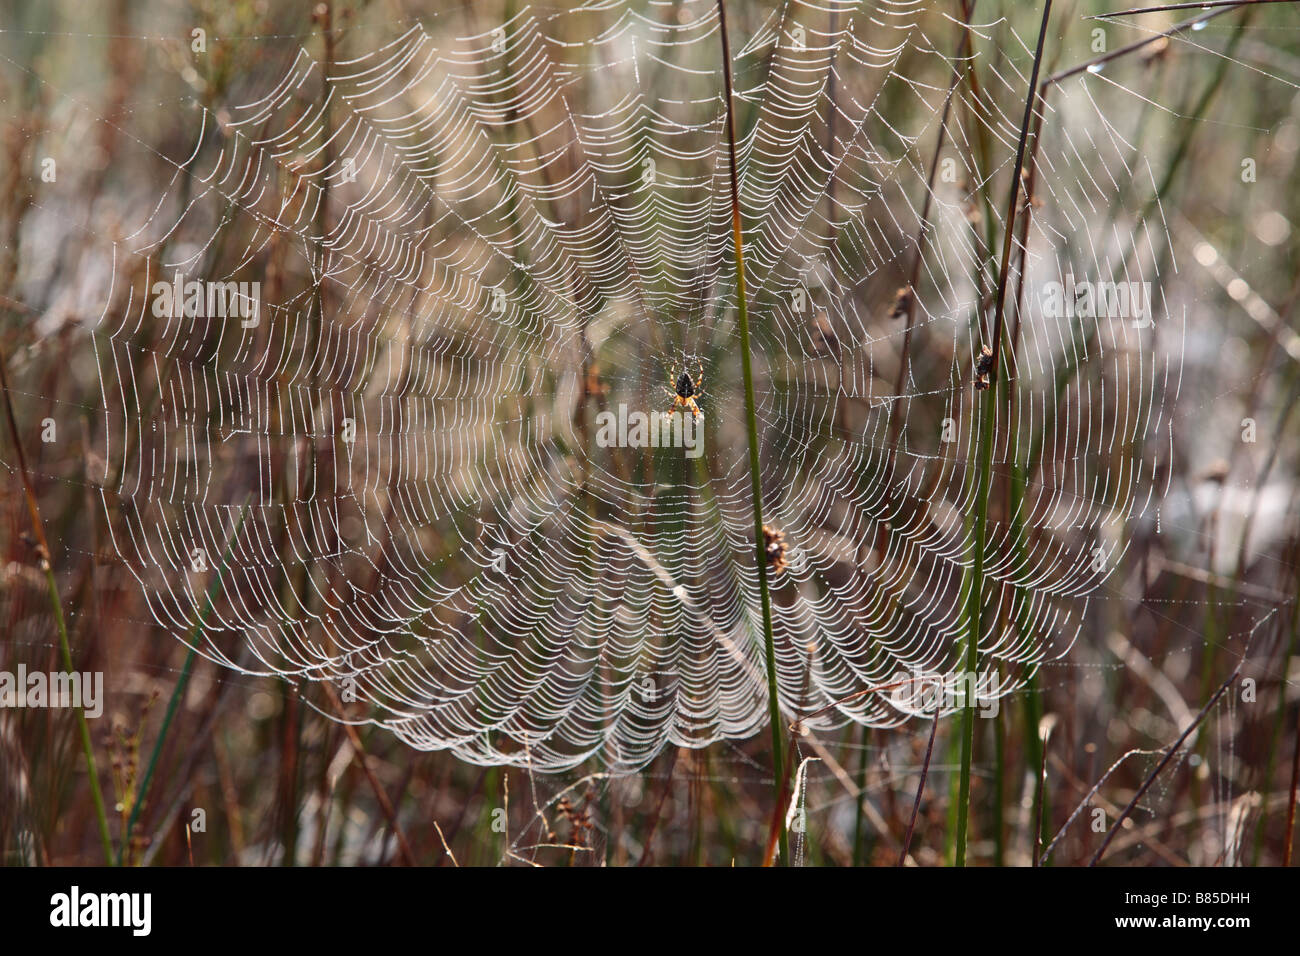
[(380, 365)]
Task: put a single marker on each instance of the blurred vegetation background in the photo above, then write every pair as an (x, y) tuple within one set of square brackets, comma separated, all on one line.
[(250, 772)]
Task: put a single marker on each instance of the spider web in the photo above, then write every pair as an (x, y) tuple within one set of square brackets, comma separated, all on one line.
[(391, 481)]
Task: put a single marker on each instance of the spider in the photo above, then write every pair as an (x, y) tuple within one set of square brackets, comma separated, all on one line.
[(685, 391)]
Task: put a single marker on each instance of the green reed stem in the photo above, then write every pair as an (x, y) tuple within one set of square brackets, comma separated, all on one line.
[(179, 690), (974, 617), (975, 596), (83, 728), (751, 423), (56, 608), (859, 820)]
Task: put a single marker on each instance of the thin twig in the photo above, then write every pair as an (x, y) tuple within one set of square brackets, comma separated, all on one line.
[(1170, 7), (381, 796), (1087, 797), (914, 277), (1290, 807), (451, 855), (1169, 755), (648, 844), (1177, 28), (920, 789)]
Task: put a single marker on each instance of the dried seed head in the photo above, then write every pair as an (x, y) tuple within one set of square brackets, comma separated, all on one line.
[(825, 341), (593, 386), (902, 303), (1155, 51), (774, 549), (983, 366)]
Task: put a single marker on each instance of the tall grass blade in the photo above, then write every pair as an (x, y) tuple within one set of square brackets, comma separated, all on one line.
[(56, 609), (975, 595), (179, 690), (751, 424)]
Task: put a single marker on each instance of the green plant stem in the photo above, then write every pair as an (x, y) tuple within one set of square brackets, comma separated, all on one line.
[(1010, 223), (859, 821), (975, 596), (974, 617), (56, 608), (751, 423), (1288, 840), (999, 787), (65, 651), (179, 690)]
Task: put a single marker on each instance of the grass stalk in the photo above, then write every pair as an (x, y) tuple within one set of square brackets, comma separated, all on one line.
[(975, 595), (860, 815), (1042, 734), (920, 791), (381, 796), (56, 609), (179, 690), (751, 424), (83, 728), (974, 619), (1289, 838)]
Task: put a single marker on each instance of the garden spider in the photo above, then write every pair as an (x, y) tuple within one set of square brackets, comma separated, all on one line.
[(684, 393)]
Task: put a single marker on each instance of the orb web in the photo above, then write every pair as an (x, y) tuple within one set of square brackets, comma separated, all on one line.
[(402, 458)]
